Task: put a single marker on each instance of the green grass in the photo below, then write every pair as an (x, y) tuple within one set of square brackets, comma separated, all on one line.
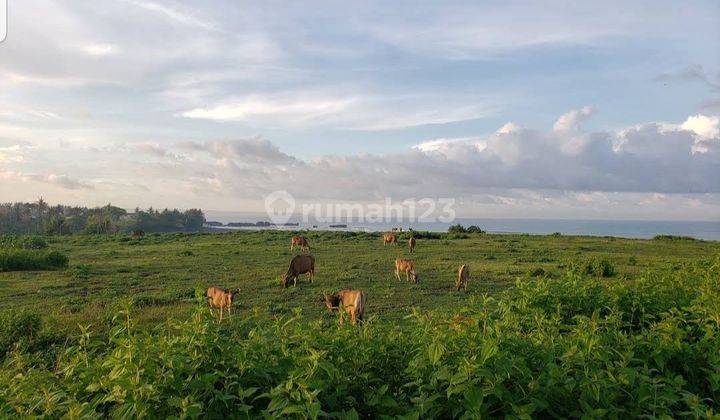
[(552, 326), (162, 271)]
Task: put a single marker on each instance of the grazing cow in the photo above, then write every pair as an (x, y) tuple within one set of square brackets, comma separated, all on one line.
[(463, 277), (407, 267), (300, 241), (300, 264), (389, 238), (411, 244), (138, 233), (221, 299), (352, 301), (397, 229)]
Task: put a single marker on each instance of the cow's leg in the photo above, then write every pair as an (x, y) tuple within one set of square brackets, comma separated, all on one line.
[(353, 319), (221, 311), (295, 281), (397, 274)]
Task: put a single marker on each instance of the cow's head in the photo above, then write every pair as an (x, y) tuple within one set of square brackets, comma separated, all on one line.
[(332, 301)]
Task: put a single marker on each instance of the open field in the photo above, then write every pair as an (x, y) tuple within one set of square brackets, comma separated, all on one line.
[(538, 334), (161, 271)]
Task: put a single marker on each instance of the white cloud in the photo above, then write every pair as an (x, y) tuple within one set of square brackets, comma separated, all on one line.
[(348, 111), (706, 127), (571, 120), (258, 107), (99, 49)]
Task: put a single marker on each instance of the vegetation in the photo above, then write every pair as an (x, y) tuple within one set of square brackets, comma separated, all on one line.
[(461, 229), (40, 218), (522, 342), (22, 241), (22, 259)]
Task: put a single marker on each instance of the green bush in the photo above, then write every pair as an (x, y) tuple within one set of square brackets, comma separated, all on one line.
[(16, 327), (12, 259), (458, 228), (23, 241), (673, 238), (600, 267)]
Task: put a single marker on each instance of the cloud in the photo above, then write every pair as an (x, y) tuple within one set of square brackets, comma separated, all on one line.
[(349, 111), (256, 107), (255, 150), (694, 72), (175, 15), (99, 49), (571, 120), (706, 127), (62, 181), (646, 158)]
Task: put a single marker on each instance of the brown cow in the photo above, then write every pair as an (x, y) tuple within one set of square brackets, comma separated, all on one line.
[(411, 244), (138, 233), (219, 298), (352, 301), (462, 277), (300, 264), (389, 238), (300, 241), (407, 267)]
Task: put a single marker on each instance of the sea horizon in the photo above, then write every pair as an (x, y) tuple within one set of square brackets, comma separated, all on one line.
[(625, 228)]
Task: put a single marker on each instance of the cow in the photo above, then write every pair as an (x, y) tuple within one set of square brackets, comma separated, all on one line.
[(407, 267), (300, 264), (352, 301), (389, 238), (462, 277), (300, 241), (138, 233), (411, 244), (218, 298)]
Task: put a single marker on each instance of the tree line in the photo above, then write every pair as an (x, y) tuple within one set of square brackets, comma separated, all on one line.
[(39, 218)]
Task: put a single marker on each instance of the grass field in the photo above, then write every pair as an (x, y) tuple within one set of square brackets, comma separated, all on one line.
[(161, 271), (552, 326)]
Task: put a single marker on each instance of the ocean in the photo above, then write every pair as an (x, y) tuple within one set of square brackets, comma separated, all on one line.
[(708, 230)]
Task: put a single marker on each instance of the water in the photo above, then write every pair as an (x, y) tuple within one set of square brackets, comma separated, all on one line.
[(620, 228)]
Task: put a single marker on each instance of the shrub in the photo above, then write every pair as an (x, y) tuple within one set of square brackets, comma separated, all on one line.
[(600, 267), (458, 228), (537, 272), (474, 229), (673, 238), (17, 326), (23, 259), (24, 242)]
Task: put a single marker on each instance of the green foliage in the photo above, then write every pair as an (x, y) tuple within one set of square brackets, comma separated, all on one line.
[(23, 241), (600, 267), (12, 259), (16, 327), (40, 218), (673, 238), (574, 346), (458, 228)]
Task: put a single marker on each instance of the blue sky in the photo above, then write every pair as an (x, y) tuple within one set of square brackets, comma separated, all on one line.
[(216, 104)]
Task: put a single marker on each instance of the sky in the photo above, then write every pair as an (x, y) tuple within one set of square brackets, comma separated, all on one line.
[(555, 109)]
